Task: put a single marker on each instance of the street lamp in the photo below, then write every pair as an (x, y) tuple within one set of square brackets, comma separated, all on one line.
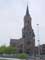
[(38, 40)]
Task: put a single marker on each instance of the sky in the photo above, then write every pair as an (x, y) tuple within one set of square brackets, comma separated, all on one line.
[(12, 14)]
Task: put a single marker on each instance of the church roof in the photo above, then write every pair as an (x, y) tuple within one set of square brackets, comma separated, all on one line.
[(27, 11)]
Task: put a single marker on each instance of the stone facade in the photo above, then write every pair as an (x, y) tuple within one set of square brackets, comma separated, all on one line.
[(27, 42)]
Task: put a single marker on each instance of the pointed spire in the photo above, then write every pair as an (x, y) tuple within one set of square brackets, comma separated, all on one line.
[(27, 11)]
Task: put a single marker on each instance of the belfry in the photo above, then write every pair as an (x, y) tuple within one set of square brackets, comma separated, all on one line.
[(28, 34)]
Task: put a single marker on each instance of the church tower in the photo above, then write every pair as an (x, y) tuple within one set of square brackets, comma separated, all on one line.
[(28, 34)]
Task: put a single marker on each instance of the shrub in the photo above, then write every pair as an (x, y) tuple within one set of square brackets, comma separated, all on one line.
[(22, 56)]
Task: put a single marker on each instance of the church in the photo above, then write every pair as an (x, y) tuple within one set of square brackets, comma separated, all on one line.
[(25, 44)]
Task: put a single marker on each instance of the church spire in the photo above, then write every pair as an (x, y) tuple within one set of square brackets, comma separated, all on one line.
[(27, 11)]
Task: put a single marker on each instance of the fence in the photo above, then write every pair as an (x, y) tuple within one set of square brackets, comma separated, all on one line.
[(36, 58)]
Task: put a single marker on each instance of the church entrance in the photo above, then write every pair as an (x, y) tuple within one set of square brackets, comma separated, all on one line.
[(29, 52)]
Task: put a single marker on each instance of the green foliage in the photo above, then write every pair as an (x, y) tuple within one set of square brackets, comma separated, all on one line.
[(7, 50), (2, 49), (22, 56)]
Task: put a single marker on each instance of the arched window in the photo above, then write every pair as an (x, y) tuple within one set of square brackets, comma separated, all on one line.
[(23, 36), (28, 21)]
